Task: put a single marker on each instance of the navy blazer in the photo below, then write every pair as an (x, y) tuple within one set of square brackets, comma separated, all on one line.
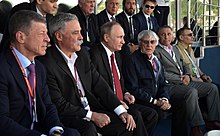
[(142, 22), (140, 80), (14, 110), (64, 92), (93, 28)]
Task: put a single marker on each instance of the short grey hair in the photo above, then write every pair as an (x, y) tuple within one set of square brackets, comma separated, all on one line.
[(58, 23), (151, 34)]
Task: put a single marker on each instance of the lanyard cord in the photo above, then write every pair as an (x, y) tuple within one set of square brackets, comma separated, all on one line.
[(31, 92)]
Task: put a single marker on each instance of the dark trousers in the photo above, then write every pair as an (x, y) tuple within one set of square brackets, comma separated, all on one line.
[(148, 115), (88, 128), (161, 14), (179, 125), (70, 132)]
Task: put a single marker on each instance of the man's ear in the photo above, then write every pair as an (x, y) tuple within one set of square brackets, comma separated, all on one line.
[(20, 37), (58, 36), (106, 37), (181, 37), (39, 1)]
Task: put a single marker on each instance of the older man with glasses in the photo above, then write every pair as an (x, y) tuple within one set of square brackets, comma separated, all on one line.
[(144, 78), (144, 19)]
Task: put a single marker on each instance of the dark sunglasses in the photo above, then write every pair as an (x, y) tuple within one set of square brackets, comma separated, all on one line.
[(147, 42), (190, 35), (148, 6)]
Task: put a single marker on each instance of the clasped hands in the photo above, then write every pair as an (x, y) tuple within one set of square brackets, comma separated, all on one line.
[(101, 120), (163, 104)]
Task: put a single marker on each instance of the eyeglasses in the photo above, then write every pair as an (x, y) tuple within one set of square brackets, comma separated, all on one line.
[(148, 6), (147, 42), (190, 34)]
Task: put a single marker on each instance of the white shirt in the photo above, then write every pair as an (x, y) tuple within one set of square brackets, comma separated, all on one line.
[(118, 110), (70, 62), (110, 16)]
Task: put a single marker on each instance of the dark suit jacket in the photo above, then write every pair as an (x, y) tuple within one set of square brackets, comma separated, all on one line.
[(172, 73), (123, 21), (102, 18), (100, 60), (93, 28), (140, 80), (22, 6), (64, 92), (141, 22), (14, 110)]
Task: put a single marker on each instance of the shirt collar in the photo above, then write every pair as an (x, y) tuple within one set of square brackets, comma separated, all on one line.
[(38, 11), (25, 62), (127, 15), (109, 16), (165, 47), (72, 59), (153, 57), (147, 16), (109, 53)]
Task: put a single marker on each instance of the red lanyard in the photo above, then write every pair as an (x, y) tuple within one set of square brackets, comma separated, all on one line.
[(31, 92)]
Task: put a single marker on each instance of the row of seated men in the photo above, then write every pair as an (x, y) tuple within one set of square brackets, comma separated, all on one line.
[(90, 23), (87, 102)]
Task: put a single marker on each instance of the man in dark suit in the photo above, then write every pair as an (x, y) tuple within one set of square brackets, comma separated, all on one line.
[(178, 74), (126, 21), (88, 21), (144, 19), (83, 98), (45, 8), (144, 76), (101, 58), (108, 14), (26, 107)]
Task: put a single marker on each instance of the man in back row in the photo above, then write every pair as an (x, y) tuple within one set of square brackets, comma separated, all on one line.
[(26, 108), (45, 8), (83, 99)]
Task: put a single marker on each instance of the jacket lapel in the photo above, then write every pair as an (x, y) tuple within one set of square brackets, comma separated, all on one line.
[(18, 76), (16, 72), (106, 63)]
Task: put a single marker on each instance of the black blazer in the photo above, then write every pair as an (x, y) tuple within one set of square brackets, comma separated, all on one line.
[(14, 110), (64, 92), (93, 28), (100, 60), (102, 18), (140, 79), (142, 22), (123, 21)]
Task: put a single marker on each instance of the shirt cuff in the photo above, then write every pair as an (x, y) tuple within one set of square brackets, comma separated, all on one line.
[(164, 98), (151, 99), (88, 116), (119, 110), (56, 128)]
